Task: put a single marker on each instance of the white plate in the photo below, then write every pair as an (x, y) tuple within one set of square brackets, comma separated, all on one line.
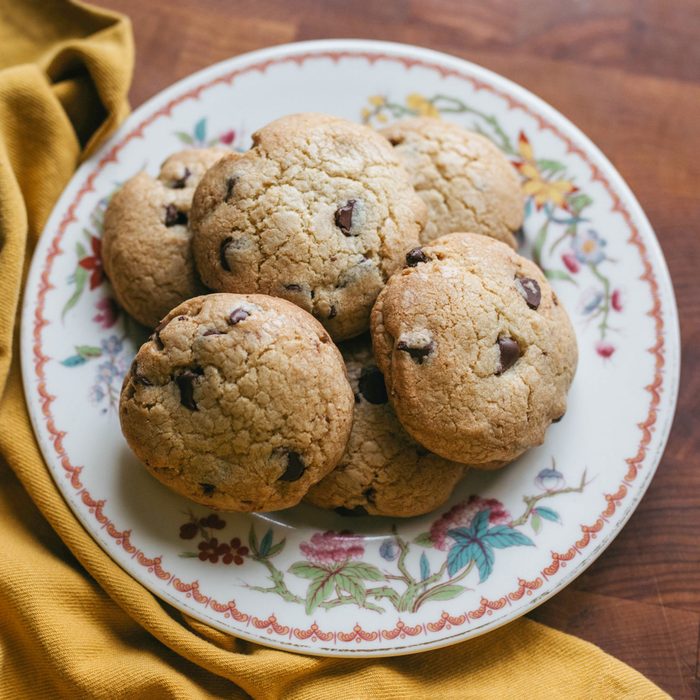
[(405, 586)]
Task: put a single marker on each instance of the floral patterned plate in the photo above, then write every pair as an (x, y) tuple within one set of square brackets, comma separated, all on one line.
[(317, 582)]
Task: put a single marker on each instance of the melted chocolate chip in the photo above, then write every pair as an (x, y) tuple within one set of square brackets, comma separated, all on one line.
[(396, 140), (529, 290), (371, 385), (140, 379), (355, 512), (370, 494), (185, 383), (343, 217), (415, 256), (418, 353), (173, 217), (293, 287), (207, 489), (180, 182), (510, 352), (556, 420), (222, 253), (230, 185), (333, 312), (237, 315), (295, 467), (156, 339)]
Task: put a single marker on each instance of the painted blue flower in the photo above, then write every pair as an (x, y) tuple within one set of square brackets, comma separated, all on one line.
[(589, 247), (590, 300), (112, 345), (550, 479), (106, 372), (96, 393), (389, 550)]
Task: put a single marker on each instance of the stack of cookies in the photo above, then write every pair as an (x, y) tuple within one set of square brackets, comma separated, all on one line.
[(270, 389)]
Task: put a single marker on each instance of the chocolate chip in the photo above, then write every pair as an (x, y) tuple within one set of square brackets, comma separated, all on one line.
[(343, 217), (295, 467), (173, 217), (370, 495), (180, 182), (222, 253), (355, 512), (181, 318), (207, 489), (333, 312), (140, 379), (510, 352), (396, 140), (156, 339), (529, 290), (371, 385), (418, 353), (230, 184), (555, 299), (212, 331), (185, 383), (415, 256), (556, 420), (237, 315), (293, 287)]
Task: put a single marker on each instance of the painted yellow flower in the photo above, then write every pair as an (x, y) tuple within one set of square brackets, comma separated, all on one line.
[(377, 100), (541, 189), (419, 104)]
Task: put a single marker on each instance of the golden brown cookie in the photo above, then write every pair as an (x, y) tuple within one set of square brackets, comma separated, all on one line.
[(477, 351), (383, 471), (464, 179), (239, 402), (146, 240), (319, 212)]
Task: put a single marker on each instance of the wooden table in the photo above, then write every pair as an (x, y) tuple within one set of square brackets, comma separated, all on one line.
[(628, 73)]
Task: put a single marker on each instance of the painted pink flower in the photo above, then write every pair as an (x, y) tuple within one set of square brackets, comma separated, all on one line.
[(228, 137), (462, 515), (108, 312), (616, 300), (604, 349), (572, 264), (333, 547)]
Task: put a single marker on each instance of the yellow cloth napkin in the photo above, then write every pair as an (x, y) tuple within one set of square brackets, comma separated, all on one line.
[(72, 623)]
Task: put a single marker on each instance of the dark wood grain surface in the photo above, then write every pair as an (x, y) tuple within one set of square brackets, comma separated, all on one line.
[(627, 72)]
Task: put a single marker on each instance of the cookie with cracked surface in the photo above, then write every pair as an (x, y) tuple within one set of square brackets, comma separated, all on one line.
[(319, 211), (239, 402), (477, 351), (146, 244), (464, 179), (383, 471)]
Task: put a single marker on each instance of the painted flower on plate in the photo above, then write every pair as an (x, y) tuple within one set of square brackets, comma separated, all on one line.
[(332, 547), (589, 247)]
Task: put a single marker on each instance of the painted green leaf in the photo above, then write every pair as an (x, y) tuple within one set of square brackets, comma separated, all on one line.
[(579, 201), (351, 585), (424, 540), (536, 522), (444, 593), (88, 351), (200, 130), (80, 277), (184, 137), (369, 572), (539, 244), (305, 570), (424, 567), (548, 514), (319, 590), (253, 540), (277, 548), (80, 248), (73, 361), (559, 275), (502, 536), (483, 557), (266, 543), (551, 166), (385, 592)]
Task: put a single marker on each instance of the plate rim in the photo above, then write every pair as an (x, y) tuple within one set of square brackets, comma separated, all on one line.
[(672, 350)]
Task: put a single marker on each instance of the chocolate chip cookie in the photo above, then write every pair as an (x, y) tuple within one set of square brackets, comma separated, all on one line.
[(319, 212), (146, 240), (383, 471), (465, 180), (477, 351), (239, 402)]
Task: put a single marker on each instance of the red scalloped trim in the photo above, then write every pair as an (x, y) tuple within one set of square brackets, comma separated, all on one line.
[(357, 634)]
